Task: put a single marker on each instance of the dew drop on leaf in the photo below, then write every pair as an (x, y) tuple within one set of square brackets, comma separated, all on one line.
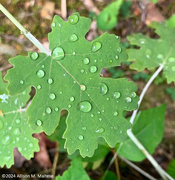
[(117, 37), (133, 94), (7, 139), (86, 61), (93, 69), (56, 109), (21, 82), (100, 130), (82, 71), (72, 99), (142, 41), (50, 81), (115, 113), (53, 24), (84, 128), (39, 122), (1, 124), (103, 88), (69, 106), (74, 53), (116, 95), (116, 57), (148, 53), (40, 74), (83, 87), (18, 121), (58, 53), (128, 99), (31, 145), (92, 115), (34, 55), (73, 19), (43, 66), (96, 46), (171, 59), (85, 106), (48, 110), (52, 96), (39, 87), (73, 38), (100, 119), (80, 137), (119, 49), (16, 131)]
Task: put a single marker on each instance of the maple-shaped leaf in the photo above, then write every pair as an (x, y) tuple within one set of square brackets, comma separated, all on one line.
[(154, 52), (70, 79), (14, 129)]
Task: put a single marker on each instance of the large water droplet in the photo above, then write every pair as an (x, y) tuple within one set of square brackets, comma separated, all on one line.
[(34, 56), (1, 124), (116, 95), (52, 96), (39, 122), (86, 61), (103, 88), (96, 46), (50, 81), (58, 53), (72, 99), (133, 94), (83, 87), (73, 38), (100, 130), (6, 139), (85, 106), (84, 128), (40, 74), (48, 110), (128, 99), (93, 69), (171, 59), (73, 19), (21, 82), (115, 113), (17, 121), (80, 137)]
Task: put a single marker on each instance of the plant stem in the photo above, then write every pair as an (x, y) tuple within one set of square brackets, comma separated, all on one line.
[(25, 32)]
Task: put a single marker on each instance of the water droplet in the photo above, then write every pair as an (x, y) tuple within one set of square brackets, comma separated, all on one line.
[(103, 88), (116, 95), (50, 81), (18, 121), (83, 87), (73, 19), (128, 99), (116, 57), (72, 99), (80, 137), (17, 131), (160, 56), (107, 99), (100, 119), (39, 87), (39, 122), (173, 68), (92, 115), (171, 59), (43, 66), (69, 106), (1, 124), (61, 92), (119, 49), (121, 131), (48, 110), (58, 53), (86, 61), (34, 55), (133, 94), (6, 139), (52, 96), (53, 25), (56, 109), (110, 61), (59, 24), (115, 113), (117, 37), (100, 130), (95, 60), (73, 38), (21, 82), (148, 53), (31, 145), (142, 41), (84, 128), (40, 74), (96, 46), (85, 106), (93, 69), (82, 71), (74, 53)]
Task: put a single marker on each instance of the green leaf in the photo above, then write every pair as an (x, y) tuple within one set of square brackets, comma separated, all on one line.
[(107, 19), (171, 92), (69, 79), (171, 168), (148, 128), (75, 171), (154, 52), (109, 175), (14, 129)]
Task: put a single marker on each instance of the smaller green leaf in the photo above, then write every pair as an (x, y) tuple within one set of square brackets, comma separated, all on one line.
[(75, 171), (148, 128), (171, 168), (107, 19)]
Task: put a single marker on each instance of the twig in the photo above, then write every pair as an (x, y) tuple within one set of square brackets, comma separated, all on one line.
[(64, 9), (55, 160), (116, 164)]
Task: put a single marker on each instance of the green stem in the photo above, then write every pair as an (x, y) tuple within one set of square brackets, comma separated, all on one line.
[(25, 32)]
